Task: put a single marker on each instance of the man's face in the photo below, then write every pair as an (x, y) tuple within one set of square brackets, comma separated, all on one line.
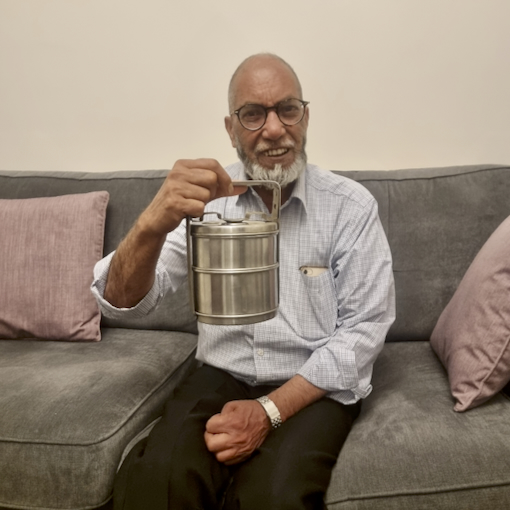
[(275, 148)]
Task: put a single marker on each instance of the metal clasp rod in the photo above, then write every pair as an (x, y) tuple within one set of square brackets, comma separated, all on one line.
[(275, 213), (189, 253)]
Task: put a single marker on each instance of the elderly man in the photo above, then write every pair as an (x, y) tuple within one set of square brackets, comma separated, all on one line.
[(260, 424)]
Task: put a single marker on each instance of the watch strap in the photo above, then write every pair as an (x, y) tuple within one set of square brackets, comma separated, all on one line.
[(271, 410)]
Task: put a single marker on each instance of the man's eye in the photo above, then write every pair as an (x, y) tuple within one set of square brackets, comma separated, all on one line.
[(289, 109), (251, 113)]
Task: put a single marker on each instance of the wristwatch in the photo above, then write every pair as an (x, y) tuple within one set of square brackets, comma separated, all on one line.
[(271, 410)]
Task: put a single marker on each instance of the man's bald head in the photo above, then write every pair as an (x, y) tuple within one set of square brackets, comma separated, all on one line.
[(253, 63)]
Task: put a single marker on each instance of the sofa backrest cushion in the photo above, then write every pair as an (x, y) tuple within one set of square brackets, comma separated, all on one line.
[(130, 192), (436, 220)]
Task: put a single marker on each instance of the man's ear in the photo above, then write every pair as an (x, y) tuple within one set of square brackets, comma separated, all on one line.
[(307, 116), (230, 130)]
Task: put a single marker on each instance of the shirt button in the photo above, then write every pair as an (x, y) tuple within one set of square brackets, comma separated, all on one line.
[(260, 352)]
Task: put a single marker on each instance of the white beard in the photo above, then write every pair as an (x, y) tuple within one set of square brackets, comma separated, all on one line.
[(282, 176)]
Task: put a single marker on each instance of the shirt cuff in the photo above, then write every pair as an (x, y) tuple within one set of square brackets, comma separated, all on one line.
[(332, 371), (141, 309)]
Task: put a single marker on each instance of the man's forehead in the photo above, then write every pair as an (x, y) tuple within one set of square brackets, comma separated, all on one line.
[(265, 78)]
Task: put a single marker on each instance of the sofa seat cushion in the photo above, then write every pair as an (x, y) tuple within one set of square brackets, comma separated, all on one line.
[(69, 409), (409, 449)]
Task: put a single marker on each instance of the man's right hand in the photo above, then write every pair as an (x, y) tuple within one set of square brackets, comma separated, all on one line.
[(188, 187)]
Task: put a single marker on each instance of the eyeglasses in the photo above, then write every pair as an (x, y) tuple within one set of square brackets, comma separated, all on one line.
[(254, 116)]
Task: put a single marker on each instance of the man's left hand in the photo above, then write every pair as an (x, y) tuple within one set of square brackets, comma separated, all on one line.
[(235, 433)]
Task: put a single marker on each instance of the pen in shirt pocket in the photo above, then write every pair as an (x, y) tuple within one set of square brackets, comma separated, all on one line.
[(312, 271)]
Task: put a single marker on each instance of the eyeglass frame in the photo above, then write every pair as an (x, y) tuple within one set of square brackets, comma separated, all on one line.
[(304, 104)]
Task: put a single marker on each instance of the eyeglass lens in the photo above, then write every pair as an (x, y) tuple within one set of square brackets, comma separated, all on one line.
[(253, 116)]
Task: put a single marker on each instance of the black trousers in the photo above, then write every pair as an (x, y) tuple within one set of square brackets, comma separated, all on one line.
[(172, 468)]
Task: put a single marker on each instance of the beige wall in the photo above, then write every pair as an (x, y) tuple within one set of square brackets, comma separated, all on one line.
[(101, 85)]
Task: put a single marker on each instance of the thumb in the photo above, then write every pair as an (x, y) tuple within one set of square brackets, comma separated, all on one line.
[(233, 190)]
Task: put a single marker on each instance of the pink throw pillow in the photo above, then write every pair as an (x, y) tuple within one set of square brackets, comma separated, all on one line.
[(48, 248), (472, 335)]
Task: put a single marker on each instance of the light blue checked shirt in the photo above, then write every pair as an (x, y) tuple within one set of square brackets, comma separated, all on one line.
[(329, 328)]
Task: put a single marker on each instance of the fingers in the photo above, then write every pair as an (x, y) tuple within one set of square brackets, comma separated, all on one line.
[(224, 421), (235, 433), (213, 174), (232, 457), (209, 174), (195, 182), (215, 424), (223, 449), (188, 187), (216, 442)]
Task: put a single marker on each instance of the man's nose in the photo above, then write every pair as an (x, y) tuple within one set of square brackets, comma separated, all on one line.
[(273, 128)]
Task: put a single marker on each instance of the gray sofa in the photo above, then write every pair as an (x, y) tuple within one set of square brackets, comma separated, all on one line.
[(407, 450)]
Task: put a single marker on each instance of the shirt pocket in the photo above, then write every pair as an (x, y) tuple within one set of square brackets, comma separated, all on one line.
[(320, 314)]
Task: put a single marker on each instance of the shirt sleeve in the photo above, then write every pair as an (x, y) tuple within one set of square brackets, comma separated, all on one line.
[(364, 286), (144, 307), (173, 255)]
